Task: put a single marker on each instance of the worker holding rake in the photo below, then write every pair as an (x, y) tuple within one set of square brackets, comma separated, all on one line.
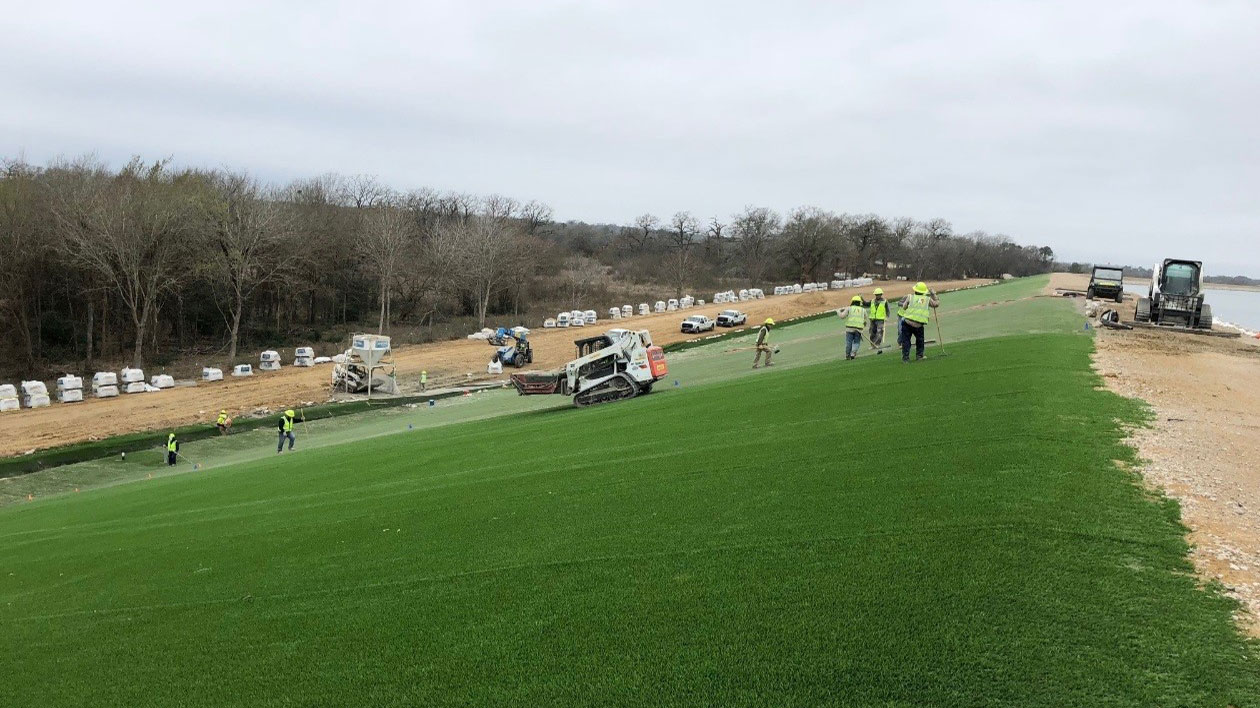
[(763, 343), (285, 427), (916, 309)]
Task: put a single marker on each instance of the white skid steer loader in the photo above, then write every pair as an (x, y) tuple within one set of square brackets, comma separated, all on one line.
[(615, 366)]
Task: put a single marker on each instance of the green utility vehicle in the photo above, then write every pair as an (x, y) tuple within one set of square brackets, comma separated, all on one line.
[(1106, 283)]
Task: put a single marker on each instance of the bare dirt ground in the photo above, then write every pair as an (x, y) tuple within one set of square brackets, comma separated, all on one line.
[(450, 364), (1204, 445)]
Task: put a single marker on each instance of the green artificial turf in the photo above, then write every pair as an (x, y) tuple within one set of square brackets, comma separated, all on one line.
[(952, 532)]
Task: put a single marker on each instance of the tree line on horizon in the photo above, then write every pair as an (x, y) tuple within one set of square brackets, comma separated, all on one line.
[(149, 262)]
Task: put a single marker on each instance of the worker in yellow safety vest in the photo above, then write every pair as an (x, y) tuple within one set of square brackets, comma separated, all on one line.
[(223, 423), (878, 314), (915, 311), (854, 317), (172, 450), (286, 430), (424, 380), (763, 343)]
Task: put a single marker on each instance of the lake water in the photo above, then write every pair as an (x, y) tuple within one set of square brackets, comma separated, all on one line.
[(1239, 307)]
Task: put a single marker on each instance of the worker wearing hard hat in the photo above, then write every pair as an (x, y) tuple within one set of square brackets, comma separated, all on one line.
[(172, 450), (854, 317), (223, 422), (878, 313), (424, 380), (285, 426), (763, 343), (915, 311)]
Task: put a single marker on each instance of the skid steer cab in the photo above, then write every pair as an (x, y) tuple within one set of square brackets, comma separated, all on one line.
[(614, 366)]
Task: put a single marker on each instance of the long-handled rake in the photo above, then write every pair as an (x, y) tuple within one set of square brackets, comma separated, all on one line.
[(939, 339)]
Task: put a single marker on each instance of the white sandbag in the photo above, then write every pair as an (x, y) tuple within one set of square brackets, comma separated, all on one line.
[(162, 381), (34, 388), (589, 317), (243, 370), (9, 404), (643, 308), (8, 391), (70, 395), (322, 360), (494, 367), (210, 373), (37, 400), (104, 378), (70, 382), (105, 391), (129, 375), (134, 387), (549, 323), (269, 360), (627, 311)]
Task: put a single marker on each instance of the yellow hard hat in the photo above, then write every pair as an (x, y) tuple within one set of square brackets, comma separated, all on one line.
[(290, 413), (879, 291), (224, 412), (856, 299), (769, 320), (920, 288)]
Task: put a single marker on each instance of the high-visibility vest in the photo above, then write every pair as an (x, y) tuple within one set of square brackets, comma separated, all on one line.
[(879, 310), (917, 308), (222, 419), (288, 424), (172, 444), (856, 319)]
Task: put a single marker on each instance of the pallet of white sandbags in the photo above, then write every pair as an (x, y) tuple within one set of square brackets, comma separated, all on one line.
[(162, 381), (243, 370), (210, 373), (8, 398), (269, 360), (34, 394), (304, 356)]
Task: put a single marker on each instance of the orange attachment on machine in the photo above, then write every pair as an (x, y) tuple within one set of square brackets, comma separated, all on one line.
[(656, 360)]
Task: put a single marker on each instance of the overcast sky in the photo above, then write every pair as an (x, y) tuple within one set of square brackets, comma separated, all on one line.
[(1108, 130)]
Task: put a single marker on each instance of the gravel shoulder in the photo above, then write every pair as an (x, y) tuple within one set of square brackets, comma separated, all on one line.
[(1203, 446)]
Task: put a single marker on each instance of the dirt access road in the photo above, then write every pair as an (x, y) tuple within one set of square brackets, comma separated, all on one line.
[(449, 364), (1204, 444)]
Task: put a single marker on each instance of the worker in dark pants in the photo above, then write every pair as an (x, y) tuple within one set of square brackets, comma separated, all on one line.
[(172, 450), (878, 315), (285, 427), (915, 311)]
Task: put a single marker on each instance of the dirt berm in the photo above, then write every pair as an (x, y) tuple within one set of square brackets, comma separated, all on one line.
[(448, 363)]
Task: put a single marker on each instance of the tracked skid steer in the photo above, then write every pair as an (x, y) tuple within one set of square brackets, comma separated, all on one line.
[(614, 366)]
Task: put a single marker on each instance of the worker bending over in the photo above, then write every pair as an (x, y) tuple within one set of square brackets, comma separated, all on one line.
[(286, 430), (763, 343), (172, 450), (223, 423), (854, 317), (916, 310), (878, 314)]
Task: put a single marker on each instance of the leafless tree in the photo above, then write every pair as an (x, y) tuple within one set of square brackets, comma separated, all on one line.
[(810, 239), (388, 232), (640, 235), (480, 252), (363, 191), (133, 229), (250, 232), (756, 229), (536, 215), (680, 240)]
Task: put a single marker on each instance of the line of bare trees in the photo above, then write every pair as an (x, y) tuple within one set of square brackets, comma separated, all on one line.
[(149, 262)]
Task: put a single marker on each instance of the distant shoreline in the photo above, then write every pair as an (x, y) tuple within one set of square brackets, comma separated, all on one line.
[(1209, 286)]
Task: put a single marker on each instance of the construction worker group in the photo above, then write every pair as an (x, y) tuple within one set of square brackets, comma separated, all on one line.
[(862, 317), (867, 319)]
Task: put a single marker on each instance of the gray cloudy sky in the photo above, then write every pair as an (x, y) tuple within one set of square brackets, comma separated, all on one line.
[(1123, 131)]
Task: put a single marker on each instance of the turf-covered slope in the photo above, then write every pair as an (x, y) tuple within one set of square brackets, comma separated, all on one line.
[(946, 533)]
